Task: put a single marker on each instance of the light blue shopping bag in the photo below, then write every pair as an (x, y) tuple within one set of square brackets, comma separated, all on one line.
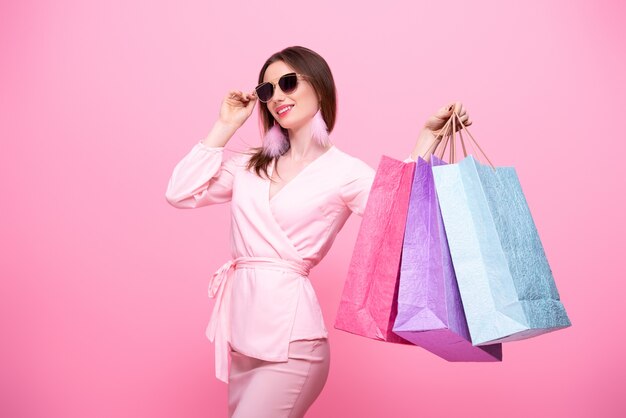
[(504, 278)]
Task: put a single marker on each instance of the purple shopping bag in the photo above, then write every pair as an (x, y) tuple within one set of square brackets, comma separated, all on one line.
[(430, 311)]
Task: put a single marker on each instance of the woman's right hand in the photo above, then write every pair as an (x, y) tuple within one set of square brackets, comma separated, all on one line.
[(237, 107)]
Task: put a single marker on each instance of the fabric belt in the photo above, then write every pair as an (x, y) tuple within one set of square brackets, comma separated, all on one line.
[(218, 330)]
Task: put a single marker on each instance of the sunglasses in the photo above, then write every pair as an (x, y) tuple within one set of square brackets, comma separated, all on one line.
[(287, 83)]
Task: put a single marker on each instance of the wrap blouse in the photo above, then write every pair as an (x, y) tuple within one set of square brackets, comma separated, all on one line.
[(264, 298)]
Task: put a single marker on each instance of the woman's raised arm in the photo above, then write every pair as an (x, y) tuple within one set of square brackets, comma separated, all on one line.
[(203, 177)]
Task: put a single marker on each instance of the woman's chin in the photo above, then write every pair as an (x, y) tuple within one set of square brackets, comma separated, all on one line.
[(291, 125)]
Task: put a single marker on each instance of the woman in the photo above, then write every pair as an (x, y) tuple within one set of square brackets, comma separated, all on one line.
[(289, 199)]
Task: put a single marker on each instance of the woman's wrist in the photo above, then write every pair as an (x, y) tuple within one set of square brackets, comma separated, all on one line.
[(425, 145), (220, 134)]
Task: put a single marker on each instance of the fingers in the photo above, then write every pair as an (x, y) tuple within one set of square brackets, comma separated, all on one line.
[(252, 100), (234, 94), (444, 113), (438, 121), (460, 110), (465, 120), (250, 96), (239, 96)]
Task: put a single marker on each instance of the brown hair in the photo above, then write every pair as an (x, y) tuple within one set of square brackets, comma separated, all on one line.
[(312, 65)]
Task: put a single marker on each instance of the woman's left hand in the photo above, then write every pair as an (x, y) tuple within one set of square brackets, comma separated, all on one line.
[(436, 122), (431, 132)]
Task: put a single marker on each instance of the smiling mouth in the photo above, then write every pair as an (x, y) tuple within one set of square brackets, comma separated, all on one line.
[(284, 110)]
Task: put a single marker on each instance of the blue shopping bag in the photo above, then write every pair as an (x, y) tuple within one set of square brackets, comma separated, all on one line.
[(505, 281)]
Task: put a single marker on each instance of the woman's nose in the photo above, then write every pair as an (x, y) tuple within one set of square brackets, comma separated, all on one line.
[(278, 98), (278, 94)]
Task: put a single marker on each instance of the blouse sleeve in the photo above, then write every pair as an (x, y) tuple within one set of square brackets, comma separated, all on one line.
[(201, 178), (355, 191)]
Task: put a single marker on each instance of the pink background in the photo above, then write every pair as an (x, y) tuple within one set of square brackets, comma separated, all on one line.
[(104, 285)]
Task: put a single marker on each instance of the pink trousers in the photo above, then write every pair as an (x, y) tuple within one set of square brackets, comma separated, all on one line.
[(267, 389)]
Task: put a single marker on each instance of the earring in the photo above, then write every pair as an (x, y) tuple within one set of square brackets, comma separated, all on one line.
[(319, 130), (275, 143)]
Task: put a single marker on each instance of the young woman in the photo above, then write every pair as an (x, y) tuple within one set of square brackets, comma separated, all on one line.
[(289, 199)]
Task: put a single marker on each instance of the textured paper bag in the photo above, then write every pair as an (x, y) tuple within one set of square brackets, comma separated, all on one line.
[(430, 312), (368, 302), (504, 278)]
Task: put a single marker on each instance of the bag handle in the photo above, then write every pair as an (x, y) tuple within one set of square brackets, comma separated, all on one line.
[(445, 137), (448, 135)]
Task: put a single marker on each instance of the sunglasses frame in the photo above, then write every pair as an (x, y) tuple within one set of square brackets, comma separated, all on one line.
[(276, 85)]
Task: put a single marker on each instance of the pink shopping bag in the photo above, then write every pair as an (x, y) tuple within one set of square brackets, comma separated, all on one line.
[(368, 304)]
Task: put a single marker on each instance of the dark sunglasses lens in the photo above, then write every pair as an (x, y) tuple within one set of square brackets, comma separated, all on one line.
[(265, 92), (288, 82)]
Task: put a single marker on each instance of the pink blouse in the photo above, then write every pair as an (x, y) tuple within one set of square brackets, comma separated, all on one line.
[(264, 298)]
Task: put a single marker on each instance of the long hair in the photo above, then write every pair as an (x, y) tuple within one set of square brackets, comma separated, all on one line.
[(311, 64)]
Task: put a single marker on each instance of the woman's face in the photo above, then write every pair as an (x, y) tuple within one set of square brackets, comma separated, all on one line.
[(303, 100)]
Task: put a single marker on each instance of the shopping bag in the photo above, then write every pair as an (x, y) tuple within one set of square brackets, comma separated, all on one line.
[(368, 303), (430, 312), (505, 281)]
